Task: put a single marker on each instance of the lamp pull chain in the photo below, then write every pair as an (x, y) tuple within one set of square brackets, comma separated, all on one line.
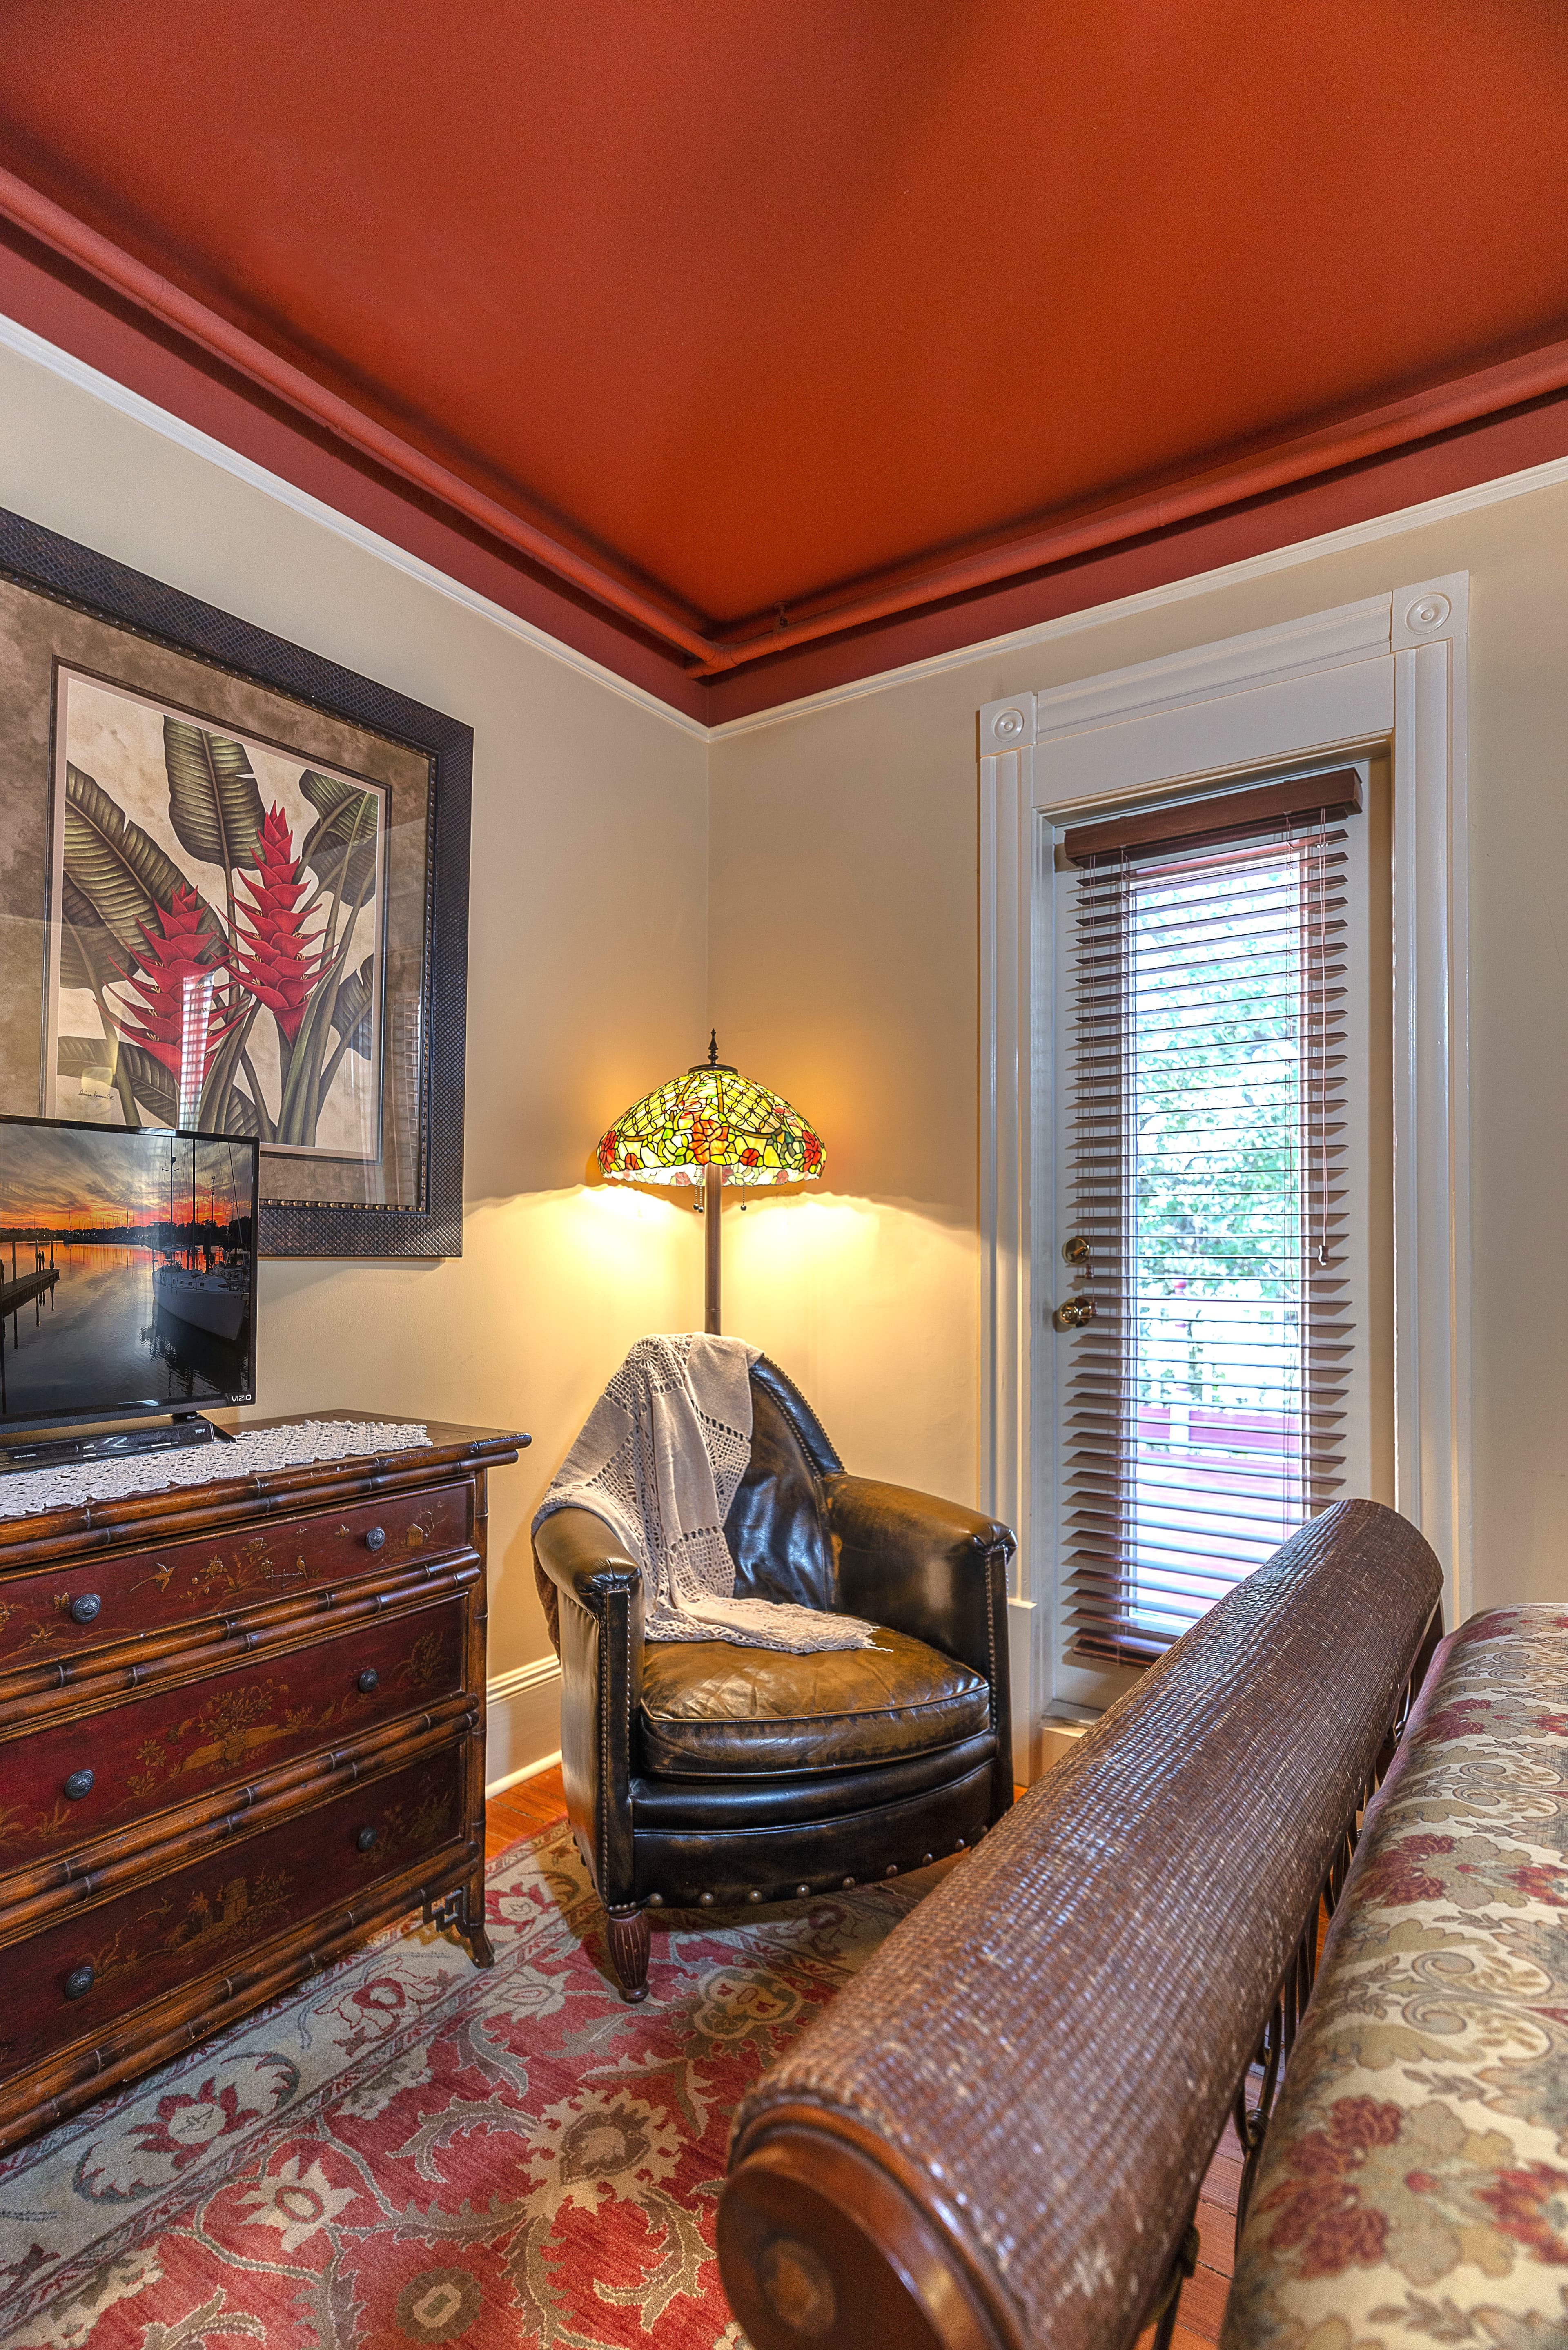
[(712, 1178)]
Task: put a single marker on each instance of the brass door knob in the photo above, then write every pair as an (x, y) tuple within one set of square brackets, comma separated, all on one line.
[(1074, 1315)]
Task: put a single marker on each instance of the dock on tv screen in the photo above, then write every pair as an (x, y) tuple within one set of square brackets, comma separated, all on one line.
[(127, 1270)]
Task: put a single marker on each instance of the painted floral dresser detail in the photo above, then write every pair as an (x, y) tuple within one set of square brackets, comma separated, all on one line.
[(242, 1726)]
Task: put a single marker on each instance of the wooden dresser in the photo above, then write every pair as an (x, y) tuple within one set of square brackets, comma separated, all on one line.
[(242, 1726)]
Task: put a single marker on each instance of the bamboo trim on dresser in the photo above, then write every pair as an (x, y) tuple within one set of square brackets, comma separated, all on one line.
[(228, 1621)]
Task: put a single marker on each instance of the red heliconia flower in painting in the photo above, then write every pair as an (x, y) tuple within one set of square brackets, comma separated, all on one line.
[(153, 1016), (274, 957)]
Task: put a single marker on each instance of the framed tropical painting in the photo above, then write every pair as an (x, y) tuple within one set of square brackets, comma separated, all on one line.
[(235, 899), (217, 913)]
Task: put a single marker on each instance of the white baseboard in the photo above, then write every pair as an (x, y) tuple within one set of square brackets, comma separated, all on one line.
[(523, 1723), (1058, 1740)]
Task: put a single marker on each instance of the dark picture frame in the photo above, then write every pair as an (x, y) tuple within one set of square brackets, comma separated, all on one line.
[(84, 581)]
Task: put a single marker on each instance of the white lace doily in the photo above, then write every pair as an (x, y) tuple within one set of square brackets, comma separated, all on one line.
[(27, 1490)]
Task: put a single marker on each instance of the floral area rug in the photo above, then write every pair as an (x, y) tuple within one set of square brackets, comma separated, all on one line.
[(411, 2151)]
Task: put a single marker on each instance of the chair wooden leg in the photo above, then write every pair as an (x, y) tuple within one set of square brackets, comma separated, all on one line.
[(629, 1938)]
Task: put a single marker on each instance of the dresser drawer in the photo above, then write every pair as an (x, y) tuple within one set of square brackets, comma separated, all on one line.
[(172, 1745), (75, 1980), (124, 1596)]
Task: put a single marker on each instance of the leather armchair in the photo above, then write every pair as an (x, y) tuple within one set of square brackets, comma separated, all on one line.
[(701, 1773)]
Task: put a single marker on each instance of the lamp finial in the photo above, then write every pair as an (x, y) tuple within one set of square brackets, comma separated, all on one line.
[(713, 1048)]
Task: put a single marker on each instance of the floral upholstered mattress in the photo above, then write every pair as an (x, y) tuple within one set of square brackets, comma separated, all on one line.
[(1414, 2184)]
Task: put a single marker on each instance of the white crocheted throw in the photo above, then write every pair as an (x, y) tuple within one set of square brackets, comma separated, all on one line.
[(661, 1460), (251, 1455)]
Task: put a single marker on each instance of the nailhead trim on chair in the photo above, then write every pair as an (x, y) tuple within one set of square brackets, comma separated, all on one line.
[(802, 1892)]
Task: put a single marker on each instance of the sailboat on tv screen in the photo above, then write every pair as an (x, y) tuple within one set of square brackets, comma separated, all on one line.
[(209, 1289)]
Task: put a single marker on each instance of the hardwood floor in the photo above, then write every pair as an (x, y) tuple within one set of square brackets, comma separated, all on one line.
[(531, 1803), (534, 1803), (1203, 2294)]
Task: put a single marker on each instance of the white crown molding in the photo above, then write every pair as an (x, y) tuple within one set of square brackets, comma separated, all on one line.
[(29, 346), (1553, 475)]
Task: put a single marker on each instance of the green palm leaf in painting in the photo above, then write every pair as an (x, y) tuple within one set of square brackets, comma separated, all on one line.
[(340, 847), (214, 805), (351, 1011), (351, 1020), (88, 955), (149, 1081), (92, 959), (299, 1107), (241, 1116), (120, 869), (80, 1056)]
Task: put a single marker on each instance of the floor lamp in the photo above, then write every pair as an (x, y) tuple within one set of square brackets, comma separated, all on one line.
[(708, 1128)]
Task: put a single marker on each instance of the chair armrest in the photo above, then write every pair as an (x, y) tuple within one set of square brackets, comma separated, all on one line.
[(937, 1572), (577, 1552), (921, 1565), (598, 1632)]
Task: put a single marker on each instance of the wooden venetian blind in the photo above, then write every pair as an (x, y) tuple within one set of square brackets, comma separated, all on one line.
[(1204, 1400)]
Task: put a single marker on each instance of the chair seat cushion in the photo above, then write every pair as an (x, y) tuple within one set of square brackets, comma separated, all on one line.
[(711, 1708)]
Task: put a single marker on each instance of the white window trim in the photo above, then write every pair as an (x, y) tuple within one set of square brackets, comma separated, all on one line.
[(1386, 673)]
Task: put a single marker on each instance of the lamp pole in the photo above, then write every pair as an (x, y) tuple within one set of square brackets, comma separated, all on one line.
[(713, 1181)]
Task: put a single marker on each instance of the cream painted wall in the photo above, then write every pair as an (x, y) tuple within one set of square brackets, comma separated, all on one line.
[(588, 977), (844, 949)]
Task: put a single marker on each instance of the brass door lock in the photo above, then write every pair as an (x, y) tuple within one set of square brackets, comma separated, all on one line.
[(1074, 1315), (1075, 1251)]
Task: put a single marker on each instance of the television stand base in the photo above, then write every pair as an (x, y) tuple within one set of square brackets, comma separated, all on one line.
[(185, 1428)]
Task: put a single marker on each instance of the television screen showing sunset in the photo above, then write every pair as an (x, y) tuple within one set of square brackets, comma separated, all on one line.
[(127, 1270)]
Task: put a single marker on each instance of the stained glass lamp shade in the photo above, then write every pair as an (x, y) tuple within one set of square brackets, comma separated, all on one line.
[(710, 1127)]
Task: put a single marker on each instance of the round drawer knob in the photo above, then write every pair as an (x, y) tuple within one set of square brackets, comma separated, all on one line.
[(375, 1538), (79, 1981), (79, 1784), (365, 1839), (368, 1680), (84, 1609)]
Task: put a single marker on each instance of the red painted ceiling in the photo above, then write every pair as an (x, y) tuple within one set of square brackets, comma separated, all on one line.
[(754, 302)]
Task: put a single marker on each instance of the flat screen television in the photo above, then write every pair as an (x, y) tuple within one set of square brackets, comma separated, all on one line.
[(127, 1272)]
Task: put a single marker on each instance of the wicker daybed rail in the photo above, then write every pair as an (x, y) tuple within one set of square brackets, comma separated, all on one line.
[(995, 2137)]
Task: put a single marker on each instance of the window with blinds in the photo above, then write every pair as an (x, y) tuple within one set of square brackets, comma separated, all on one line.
[(1205, 1399)]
